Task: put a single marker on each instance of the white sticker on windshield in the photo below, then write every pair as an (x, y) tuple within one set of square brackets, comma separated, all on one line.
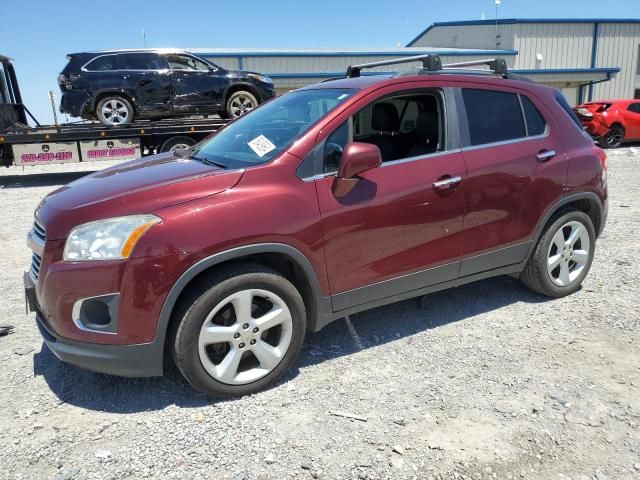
[(261, 145), (343, 96)]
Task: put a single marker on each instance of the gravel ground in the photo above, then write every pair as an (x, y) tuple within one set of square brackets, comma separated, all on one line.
[(488, 381)]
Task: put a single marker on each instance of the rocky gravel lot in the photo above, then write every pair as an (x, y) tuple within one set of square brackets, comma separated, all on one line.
[(487, 381)]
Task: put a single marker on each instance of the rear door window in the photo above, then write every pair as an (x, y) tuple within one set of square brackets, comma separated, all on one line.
[(493, 116), (142, 61), (535, 121), (103, 63)]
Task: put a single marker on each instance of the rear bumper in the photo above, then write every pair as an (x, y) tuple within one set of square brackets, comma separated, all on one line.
[(140, 360), (595, 128), (74, 102)]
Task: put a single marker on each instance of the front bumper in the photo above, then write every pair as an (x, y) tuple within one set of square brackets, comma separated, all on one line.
[(139, 360)]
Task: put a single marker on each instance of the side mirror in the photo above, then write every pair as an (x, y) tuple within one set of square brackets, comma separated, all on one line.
[(357, 158)]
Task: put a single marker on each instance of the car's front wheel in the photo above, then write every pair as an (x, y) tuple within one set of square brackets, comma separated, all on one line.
[(563, 255), (114, 110), (239, 103), (239, 330)]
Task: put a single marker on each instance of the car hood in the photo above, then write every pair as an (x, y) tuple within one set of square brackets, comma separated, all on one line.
[(139, 186)]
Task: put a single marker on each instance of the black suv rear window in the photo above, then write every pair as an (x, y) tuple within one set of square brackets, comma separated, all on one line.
[(103, 63), (535, 121), (143, 61), (493, 116)]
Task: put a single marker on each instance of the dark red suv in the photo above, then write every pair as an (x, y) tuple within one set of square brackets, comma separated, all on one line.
[(329, 200)]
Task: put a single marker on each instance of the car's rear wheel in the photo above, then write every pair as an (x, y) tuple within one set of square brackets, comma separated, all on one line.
[(239, 103), (614, 137), (114, 110), (239, 330), (563, 255)]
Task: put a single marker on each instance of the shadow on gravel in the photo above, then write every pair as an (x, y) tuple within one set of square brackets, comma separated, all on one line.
[(40, 179), (100, 392)]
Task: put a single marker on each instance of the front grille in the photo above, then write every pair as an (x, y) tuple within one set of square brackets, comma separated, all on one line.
[(36, 261), (39, 232)]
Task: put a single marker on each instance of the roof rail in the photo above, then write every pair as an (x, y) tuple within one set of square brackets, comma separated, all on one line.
[(432, 63)]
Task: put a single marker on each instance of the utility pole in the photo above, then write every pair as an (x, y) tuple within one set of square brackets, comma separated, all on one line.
[(497, 2)]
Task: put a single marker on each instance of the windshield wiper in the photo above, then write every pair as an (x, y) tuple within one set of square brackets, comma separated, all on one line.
[(187, 153)]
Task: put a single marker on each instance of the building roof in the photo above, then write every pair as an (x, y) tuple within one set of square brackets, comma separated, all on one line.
[(511, 21), (344, 52)]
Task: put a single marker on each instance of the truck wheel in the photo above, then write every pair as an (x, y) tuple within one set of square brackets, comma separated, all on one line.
[(562, 258), (114, 110), (239, 330), (240, 103), (176, 143), (613, 138)]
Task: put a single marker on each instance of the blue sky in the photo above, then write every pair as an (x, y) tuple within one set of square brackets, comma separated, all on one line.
[(38, 34)]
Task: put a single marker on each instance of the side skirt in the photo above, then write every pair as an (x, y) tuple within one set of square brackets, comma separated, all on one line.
[(477, 268)]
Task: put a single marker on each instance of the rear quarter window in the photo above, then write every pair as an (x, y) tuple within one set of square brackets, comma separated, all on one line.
[(535, 121), (493, 116), (103, 63)]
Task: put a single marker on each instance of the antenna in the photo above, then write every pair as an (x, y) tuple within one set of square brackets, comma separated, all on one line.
[(144, 37), (497, 2)]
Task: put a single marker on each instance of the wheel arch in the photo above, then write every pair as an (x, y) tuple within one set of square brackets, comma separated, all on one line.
[(285, 259), (236, 87), (587, 202)]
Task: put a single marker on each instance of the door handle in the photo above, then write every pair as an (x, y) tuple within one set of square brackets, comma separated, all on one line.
[(447, 183), (545, 155), (125, 76)]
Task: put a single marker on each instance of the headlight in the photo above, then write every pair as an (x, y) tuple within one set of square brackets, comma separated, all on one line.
[(109, 239), (260, 78)]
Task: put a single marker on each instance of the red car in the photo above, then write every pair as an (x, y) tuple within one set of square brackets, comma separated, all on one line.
[(611, 122), (329, 200)]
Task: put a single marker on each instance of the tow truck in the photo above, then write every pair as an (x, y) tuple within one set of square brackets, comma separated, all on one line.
[(23, 144)]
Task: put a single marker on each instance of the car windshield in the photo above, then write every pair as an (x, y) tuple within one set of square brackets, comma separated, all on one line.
[(264, 133)]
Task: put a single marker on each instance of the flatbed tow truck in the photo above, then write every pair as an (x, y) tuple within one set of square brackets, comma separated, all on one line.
[(22, 144)]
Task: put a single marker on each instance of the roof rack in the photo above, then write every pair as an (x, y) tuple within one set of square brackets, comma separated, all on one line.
[(432, 63)]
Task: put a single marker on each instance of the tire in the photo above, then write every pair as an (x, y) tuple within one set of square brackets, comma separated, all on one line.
[(554, 271), (613, 138), (114, 110), (175, 143), (216, 353), (239, 103)]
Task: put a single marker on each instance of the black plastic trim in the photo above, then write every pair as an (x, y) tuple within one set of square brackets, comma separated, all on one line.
[(394, 286), (141, 360), (495, 259)]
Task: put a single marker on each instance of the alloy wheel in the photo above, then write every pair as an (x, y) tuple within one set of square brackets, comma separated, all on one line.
[(614, 137), (245, 336), (568, 253), (240, 105), (115, 112)]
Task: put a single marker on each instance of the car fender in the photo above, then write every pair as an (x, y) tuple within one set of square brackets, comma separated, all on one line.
[(322, 304), (245, 84), (592, 197)]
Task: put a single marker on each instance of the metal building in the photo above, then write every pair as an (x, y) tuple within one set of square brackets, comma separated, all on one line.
[(588, 59), (585, 58)]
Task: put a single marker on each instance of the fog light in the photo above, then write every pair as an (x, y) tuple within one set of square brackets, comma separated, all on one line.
[(97, 314)]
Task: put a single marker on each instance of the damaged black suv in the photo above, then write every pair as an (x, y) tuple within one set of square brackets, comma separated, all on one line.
[(117, 87)]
